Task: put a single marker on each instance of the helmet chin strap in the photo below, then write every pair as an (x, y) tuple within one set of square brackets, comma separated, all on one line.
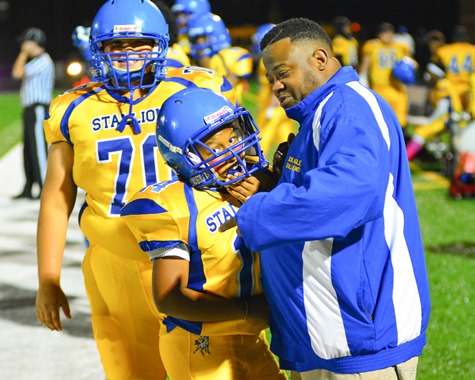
[(130, 117)]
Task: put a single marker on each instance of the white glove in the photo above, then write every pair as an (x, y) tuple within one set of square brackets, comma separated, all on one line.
[(80, 37)]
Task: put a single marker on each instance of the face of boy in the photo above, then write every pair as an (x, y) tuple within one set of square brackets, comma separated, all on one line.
[(223, 139), (129, 45)]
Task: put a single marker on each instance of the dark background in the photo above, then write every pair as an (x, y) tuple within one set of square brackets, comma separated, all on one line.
[(59, 17)]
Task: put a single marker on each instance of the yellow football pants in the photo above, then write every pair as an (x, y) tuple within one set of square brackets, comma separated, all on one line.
[(230, 357), (125, 322)]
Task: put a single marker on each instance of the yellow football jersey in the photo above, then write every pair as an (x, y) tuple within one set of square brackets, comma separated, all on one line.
[(458, 59), (236, 64), (471, 96), (346, 49), (164, 215), (109, 165), (176, 56), (383, 58)]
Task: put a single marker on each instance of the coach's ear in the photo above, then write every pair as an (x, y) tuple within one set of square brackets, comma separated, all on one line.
[(320, 58)]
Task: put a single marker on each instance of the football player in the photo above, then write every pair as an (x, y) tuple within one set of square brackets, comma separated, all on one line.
[(176, 56), (208, 283), (211, 47), (271, 118), (102, 138), (345, 45), (458, 60), (379, 55), (183, 10), (446, 106)]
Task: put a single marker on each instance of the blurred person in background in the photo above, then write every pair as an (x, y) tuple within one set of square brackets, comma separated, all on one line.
[(35, 68), (458, 60), (379, 56), (183, 11), (446, 108), (345, 45), (210, 44), (405, 37)]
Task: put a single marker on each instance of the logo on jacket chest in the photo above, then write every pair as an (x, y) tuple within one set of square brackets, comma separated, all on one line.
[(111, 121), (293, 164), (220, 216)]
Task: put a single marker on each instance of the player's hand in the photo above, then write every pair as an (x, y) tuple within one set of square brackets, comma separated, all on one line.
[(49, 300), (244, 189), (230, 223), (280, 155), (80, 37), (258, 309)]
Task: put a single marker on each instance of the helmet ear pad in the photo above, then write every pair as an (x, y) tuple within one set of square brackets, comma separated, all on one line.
[(188, 119)]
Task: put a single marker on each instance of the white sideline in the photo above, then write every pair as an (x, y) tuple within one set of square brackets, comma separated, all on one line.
[(28, 350)]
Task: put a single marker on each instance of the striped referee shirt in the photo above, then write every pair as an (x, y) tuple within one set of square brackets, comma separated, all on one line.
[(38, 81)]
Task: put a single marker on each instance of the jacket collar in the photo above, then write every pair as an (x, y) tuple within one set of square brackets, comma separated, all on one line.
[(307, 106)]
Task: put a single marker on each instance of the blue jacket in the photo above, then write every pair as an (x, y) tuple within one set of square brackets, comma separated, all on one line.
[(342, 259)]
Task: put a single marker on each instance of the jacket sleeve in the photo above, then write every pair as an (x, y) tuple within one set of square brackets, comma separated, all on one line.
[(343, 190)]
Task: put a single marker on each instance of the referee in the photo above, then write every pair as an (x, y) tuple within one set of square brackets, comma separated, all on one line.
[(35, 68)]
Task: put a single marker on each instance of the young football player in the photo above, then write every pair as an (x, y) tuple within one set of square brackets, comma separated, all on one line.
[(458, 60), (210, 43), (379, 55), (102, 138), (206, 282), (183, 10)]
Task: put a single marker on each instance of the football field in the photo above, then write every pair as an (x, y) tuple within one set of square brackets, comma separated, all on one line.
[(28, 351)]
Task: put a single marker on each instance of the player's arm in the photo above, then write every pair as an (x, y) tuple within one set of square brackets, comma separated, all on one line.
[(57, 202), (174, 298), (18, 69), (440, 111), (365, 65)]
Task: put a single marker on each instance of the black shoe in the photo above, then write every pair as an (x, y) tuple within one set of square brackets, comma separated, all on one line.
[(23, 196)]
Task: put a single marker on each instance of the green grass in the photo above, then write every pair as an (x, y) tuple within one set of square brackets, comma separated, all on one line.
[(11, 125), (448, 230)]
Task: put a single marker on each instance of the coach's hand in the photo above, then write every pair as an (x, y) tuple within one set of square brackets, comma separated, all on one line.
[(280, 155), (230, 223)]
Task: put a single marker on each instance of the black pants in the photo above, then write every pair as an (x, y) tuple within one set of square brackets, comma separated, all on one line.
[(34, 146)]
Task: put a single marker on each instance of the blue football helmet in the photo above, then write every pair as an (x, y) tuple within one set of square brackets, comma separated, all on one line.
[(257, 37), (187, 119), (120, 19), (184, 9), (405, 70), (212, 28)]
